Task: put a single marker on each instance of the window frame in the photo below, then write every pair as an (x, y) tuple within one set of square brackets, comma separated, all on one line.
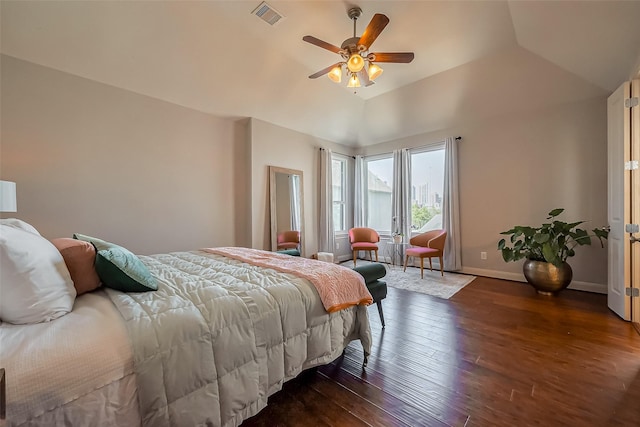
[(345, 167)]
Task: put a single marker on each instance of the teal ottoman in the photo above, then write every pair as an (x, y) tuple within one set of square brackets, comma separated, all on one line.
[(292, 252), (372, 273)]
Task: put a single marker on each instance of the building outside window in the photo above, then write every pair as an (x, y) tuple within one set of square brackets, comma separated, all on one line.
[(427, 188)]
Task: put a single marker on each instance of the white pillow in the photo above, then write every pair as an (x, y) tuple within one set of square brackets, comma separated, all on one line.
[(35, 284), (18, 223)]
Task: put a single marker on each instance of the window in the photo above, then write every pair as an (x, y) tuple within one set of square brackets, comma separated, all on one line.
[(339, 178), (427, 188), (378, 192)]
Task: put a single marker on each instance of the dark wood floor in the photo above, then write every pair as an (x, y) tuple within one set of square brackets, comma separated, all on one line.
[(495, 354)]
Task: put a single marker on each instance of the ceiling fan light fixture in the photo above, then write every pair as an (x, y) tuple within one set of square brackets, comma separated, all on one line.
[(374, 71), (355, 53), (355, 63), (354, 81), (336, 74)]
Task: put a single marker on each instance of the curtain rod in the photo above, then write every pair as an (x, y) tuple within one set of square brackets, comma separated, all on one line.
[(346, 155), (457, 138)]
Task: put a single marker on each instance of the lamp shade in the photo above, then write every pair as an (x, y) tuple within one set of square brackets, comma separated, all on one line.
[(354, 81), (355, 63), (336, 74), (8, 196), (374, 71)]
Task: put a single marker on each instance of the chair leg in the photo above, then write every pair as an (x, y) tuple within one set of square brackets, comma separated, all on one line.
[(376, 255), (441, 267), (421, 268), (430, 266), (355, 254), (379, 304), (406, 261)]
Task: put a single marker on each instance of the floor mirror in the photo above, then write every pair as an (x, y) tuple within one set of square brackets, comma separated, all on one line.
[(287, 212)]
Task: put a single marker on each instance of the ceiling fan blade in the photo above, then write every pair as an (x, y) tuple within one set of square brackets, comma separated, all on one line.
[(373, 30), (402, 57), (364, 78), (323, 71), (322, 44)]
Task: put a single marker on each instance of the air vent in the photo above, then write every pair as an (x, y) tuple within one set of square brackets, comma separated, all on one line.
[(267, 14)]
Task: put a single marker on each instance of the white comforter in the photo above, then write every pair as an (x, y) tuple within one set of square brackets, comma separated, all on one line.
[(220, 336), (209, 347)]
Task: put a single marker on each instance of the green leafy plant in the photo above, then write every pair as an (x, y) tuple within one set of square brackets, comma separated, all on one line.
[(552, 242)]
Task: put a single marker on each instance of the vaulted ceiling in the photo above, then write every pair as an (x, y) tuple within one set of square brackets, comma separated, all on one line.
[(216, 56)]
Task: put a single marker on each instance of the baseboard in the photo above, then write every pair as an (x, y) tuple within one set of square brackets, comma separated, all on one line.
[(494, 274), (342, 258), (598, 288), (518, 277)]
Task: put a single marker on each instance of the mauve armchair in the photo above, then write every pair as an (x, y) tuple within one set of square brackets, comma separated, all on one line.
[(427, 245), (364, 239), (288, 239)]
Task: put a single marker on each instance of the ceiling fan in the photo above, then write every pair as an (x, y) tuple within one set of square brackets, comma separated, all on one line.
[(361, 65)]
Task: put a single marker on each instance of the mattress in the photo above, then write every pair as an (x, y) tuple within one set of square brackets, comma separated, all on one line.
[(82, 363)]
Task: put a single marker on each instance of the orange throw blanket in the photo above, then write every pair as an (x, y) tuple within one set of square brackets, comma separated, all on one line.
[(339, 287)]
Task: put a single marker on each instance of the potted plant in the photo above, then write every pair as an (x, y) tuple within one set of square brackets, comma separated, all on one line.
[(396, 235), (546, 249)]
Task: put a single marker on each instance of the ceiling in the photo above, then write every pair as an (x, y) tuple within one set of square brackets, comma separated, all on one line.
[(216, 57)]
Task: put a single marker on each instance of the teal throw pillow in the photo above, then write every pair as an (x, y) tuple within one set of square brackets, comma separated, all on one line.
[(118, 268)]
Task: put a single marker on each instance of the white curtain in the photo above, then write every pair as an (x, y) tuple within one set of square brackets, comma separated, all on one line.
[(326, 235), (294, 197), (359, 193), (401, 193), (451, 207)]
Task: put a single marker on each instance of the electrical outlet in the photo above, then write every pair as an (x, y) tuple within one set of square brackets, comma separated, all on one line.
[(483, 255), (337, 245)]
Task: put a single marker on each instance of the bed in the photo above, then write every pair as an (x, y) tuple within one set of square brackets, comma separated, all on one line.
[(219, 336)]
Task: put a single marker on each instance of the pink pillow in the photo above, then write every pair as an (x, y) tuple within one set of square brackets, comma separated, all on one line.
[(80, 258)]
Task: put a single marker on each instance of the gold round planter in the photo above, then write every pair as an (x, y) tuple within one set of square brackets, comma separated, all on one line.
[(546, 278)]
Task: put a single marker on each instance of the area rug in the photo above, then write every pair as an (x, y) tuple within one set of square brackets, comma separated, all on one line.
[(433, 283)]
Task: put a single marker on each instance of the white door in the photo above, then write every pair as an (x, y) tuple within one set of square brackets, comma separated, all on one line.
[(618, 211)]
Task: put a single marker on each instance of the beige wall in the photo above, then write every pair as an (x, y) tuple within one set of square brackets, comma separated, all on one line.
[(506, 82), (140, 172), (94, 159), (273, 145), (157, 177), (515, 168)]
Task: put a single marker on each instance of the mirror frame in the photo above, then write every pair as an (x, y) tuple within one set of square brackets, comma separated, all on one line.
[(273, 170)]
